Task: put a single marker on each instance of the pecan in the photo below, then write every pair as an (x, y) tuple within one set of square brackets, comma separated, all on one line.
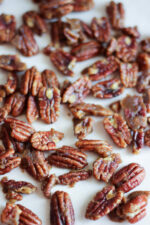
[(118, 130), (116, 14), (7, 27), (128, 177), (83, 127), (49, 79), (34, 21), (77, 91), (104, 168), (143, 60), (134, 111), (62, 211), (146, 99), (147, 138), (32, 111), (8, 162), (68, 157), (115, 106), (131, 31), (83, 5), (11, 63), (6, 138), (103, 203), (143, 82), (3, 113), (128, 74), (108, 88), (48, 184), (64, 86), (86, 50), (49, 104), (12, 197), (98, 146), (137, 141), (11, 84), (145, 45), (24, 41), (111, 47), (101, 68)]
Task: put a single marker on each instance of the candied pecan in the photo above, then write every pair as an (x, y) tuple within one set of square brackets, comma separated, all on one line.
[(49, 79), (49, 104), (48, 184), (2, 92), (101, 29), (7, 27), (32, 111), (83, 127), (11, 63), (145, 45), (68, 157), (137, 141), (143, 82), (103, 203), (115, 106), (83, 5), (134, 111), (86, 50), (128, 74), (118, 130), (11, 84), (131, 31), (11, 214), (143, 60), (104, 168), (24, 41), (146, 99), (147, 138), (62, 211), (8, 163), (77, 91), (101, 68), (34, 21), (111, 47), (128, 177)]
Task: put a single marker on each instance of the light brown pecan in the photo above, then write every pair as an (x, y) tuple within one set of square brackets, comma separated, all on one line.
[(134, 111), (48, 184), (115, 106), (11, 84), (83, 5), (112, 46), (24, 41), (143, 82), (68, 157), (131, 31), (143, 60), (62, 211), (49, 104), (145, 45), (104, 168), (137, 141), (83, 127), (128, 74), (49, 79), (11, 63), (32, 113), (146, 99), (147, 138), (103, 203), (7, 27)]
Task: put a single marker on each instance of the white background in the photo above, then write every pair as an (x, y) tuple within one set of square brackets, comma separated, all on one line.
[(137, 13)]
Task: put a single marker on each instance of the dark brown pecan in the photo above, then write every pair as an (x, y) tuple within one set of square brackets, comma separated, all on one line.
[(137, 141), (147, 138), (134, 111), (35, 22), (46, 140), (7, 27), (101, 68), (103, 203), (32, 111), (83, 127), (131, 31), (143, 60), (86, 50), (111, 47), (83, 5), (143, 82), (126, 48), (49, 104), (108, 88), (128, 74), (11, 63), (98, 146), (11, 84), (145, 45), (2, 93), (128, 177), (68, 157), (62, 211), (35, 164), (77, 91), (31, 82), (118, 130), (115, 106), (48, 184), (49, 79), (24, 41), (104, 168), (116, 14), (146, 99)]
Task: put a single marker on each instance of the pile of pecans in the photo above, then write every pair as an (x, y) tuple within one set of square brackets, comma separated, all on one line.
[(124, 63)]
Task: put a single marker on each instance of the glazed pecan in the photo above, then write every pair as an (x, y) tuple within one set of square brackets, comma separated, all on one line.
[(11, 63), (24, 41), (48, 184), (143, 82), (68, 157), (7, 27), (49, 104), (83, 127), (128, 74), (83, 5), (115, 106), (101, 68), (62, 211), (118, 130), (104, 168), (146, 99), (32, 111), (134, 111), (147, 138), (128, 177), (137, 141), (49, 79), (11, 84), (145, 45), (103, 203), (143, 60), (111, 47), (108, 88), (77, 91), (131, 31)]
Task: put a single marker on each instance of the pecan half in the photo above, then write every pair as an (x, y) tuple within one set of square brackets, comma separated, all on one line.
[(146, 99), (32, 112), (143, 60), (131, 31), (7, 27), (83, 5), (83, 127), (49, 79), (115, 106), (11, 63), (11, 84), (137, 141), (147, 138), (143, 82), (48, 184), (145, 45)]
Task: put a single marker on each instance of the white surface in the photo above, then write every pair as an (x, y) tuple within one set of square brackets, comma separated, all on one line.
[(137, 13)]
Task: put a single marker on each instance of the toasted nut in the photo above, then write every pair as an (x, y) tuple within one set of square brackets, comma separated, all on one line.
[(7, 27)]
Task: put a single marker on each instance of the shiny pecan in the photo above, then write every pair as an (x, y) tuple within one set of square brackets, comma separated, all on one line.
[(115, 106), (137, 141), (24, 41), (49, 104), (103, 203), (11, 63), (83, 5), (134, 111), (68, 157), (143, 82), (111, 47), (104, 168), (11, 84), (62, 211), (7, 27), (143, 60), (128, 74), (49, 79), (131, 31), (83, 127), (101, 68), (48, 184), (147, 138), (128, 177), (118, 130), (32, 112), (146, 99), (145, 45)]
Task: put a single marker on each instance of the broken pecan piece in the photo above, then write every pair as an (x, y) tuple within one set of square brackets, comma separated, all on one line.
[(83, 5), (83, 127), (49, 79), (11, 63), (32, 112), (11, 84), (137, 141), (7, 27), (48, 184)]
